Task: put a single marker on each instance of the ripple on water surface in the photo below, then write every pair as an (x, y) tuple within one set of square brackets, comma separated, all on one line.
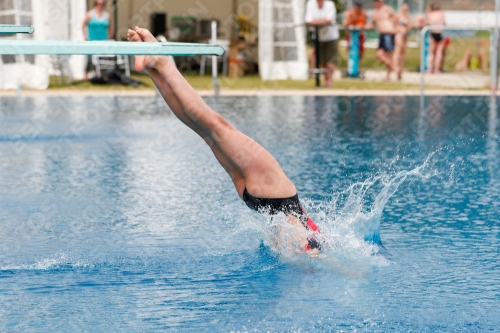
[(116, 216)]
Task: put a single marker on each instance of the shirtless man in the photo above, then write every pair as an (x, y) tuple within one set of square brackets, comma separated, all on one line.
[(436, 52), (384, 18), (356, 18), (258, 178)]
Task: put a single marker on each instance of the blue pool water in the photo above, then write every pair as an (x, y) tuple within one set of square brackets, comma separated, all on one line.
[(115, 217)]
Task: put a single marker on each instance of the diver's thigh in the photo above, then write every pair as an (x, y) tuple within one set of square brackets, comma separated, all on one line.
[(262, 173)]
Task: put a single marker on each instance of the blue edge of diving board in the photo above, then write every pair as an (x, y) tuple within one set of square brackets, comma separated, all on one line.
[(13, 46), (6, 29)]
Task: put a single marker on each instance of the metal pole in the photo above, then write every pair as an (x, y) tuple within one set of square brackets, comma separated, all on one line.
[(494, 59), (423, 33), (421, 6), (70, 28), (214, 59), (316, 51), (115, 4), (493, 64)]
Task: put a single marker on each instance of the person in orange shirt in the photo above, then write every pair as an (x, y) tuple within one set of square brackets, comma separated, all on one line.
[(356, 18)]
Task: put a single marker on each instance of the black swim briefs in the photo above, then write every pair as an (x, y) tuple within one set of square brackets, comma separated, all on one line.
[(437, 36), (288, 206)]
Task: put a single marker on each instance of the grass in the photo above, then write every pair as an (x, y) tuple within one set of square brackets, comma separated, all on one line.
[(454, 54), (253, 82), (146, 84), (247, 82)]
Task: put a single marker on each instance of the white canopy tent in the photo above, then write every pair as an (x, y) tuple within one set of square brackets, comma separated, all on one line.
[(282, 40), (53, 20)]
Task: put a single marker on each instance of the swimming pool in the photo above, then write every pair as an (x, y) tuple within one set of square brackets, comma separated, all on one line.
[(114, 216)]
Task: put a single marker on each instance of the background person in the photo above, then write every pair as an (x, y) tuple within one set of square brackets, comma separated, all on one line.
[(97, 25), (323, 13), (404, 23), (356, 18), (469, 61), (435, 16), (383, 18)]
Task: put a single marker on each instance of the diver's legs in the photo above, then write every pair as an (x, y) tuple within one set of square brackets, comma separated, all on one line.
[(262, 174), (176, 108)]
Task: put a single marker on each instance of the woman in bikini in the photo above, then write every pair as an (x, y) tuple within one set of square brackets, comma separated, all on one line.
[(404, 23), (257, 176), (436, 51)]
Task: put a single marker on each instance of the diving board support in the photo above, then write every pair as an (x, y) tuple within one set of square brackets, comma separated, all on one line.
[(7, 29), (107, 48)]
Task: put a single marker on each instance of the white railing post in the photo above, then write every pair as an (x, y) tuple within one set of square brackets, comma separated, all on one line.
[(214, 59), (494, 51)]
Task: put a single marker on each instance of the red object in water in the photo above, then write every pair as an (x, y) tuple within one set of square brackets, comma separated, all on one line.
[(312, 225)]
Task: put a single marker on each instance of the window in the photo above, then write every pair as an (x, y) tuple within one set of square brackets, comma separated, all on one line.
[(16, 12), (285, 48)]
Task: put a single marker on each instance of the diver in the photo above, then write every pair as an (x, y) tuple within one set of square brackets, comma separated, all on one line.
[(257, 176)]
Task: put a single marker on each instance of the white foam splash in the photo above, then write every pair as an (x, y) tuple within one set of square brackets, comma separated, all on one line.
[(349, 223), (41, 264)]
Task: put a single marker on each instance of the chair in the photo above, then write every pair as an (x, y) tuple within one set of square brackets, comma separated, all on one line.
[(224, 58), (110, 63), (61, 63)]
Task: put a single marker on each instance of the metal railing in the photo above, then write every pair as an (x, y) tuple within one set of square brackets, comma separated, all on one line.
[(493, 55)]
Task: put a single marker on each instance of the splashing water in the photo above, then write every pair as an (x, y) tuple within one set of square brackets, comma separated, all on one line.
[(59, 261), (349, 230)]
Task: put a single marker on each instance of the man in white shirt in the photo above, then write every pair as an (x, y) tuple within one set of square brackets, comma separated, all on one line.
[(324, 14)]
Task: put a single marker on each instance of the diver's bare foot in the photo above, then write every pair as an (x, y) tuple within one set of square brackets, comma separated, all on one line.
[(142, 35)]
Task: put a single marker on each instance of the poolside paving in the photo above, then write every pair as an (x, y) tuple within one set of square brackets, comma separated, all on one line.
[(466, 83), (464, 80), (252, 92)]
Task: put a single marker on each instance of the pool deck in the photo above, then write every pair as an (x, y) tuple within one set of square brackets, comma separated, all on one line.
[(465, 80), (251, 92)]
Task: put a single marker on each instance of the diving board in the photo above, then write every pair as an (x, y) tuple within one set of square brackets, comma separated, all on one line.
[(107, 48), (6, 29), (53, 47)]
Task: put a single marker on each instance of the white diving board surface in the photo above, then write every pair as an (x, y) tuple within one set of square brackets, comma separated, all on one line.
[(99, 47), (6, 29), (107, 48)]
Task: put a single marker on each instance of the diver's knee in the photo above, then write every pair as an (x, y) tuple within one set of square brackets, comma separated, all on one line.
[(220, 128)]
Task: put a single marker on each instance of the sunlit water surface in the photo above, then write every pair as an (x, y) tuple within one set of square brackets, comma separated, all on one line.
[(116, 217)]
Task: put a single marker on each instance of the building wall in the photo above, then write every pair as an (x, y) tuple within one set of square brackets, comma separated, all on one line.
[(137, 12)]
